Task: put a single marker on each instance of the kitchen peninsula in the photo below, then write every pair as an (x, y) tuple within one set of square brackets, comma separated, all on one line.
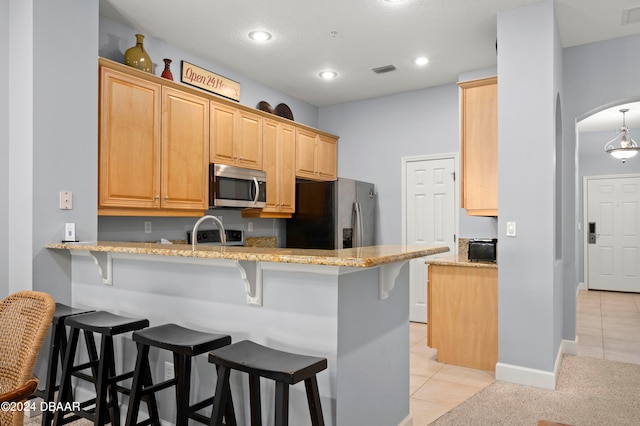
[(350, 306)]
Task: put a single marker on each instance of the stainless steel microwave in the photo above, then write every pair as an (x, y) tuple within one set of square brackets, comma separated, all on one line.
[(231, 186)]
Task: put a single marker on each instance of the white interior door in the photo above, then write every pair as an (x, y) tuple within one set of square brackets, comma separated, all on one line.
[(430, 219), (613, 216)]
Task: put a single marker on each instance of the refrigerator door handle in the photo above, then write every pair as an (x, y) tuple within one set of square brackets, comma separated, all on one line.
[(358, 225)]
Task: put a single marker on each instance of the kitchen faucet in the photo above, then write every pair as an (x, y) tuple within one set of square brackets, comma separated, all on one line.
[(194, 234)]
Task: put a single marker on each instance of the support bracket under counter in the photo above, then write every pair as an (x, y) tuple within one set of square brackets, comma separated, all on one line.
[(387, 278), (104, 262), (250, 271)]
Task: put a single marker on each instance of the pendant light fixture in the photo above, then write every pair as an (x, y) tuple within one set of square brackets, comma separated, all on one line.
[(628, 147)]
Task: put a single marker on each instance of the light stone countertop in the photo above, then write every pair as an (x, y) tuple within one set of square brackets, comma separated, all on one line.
[(457, 260), (363, 257)]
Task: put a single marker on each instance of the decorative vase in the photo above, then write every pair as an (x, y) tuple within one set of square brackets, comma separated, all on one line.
[(167, 70), (137, 57)]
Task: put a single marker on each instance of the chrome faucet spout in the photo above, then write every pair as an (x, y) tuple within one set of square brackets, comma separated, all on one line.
[(218, 222)]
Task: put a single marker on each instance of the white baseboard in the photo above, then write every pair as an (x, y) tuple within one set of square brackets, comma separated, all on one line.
[(532, 377), (525, 376), (407, 421), (582, 286)]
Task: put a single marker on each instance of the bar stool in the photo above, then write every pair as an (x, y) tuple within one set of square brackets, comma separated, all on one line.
[(184, 343), (259, 361), (58, 344), (103, 374)]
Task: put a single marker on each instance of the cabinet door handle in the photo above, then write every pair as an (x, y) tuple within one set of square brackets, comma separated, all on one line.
[(166, 197), (157, 197)]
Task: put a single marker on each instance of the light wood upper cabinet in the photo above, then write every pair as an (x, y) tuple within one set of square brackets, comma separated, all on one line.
[(479, 146), (129, 141), (316, 155), (185, 151), (279, 162), (153, 147), (236, 137)]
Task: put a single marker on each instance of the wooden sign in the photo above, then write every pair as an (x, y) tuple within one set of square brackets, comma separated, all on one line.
[(211, 82)]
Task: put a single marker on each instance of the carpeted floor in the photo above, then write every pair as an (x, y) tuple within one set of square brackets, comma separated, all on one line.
[(589, 391)]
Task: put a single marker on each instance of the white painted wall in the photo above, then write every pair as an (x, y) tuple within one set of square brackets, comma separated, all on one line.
[(527, 291), (376, 133), (4, 148), (20, 165), (115, 39)]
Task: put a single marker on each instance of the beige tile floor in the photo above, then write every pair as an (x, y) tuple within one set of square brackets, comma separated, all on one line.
[(435, 387), (608, 326)]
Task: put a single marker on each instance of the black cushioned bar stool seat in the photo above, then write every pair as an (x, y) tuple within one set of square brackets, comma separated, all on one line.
[(259, 361), (103, 369), (184, 343), (57, 346)]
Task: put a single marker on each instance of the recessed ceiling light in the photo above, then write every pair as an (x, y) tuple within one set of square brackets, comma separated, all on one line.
[(328, 75), (422, 60), (259, 35)]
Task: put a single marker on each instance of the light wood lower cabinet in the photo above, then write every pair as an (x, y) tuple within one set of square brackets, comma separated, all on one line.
[(463, 315), (153, 148)]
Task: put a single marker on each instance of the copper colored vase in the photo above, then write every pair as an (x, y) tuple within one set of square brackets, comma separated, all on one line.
[(167, 70)]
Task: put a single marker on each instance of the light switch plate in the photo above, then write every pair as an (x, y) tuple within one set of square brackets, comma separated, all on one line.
[(69, 231), (511, 229)]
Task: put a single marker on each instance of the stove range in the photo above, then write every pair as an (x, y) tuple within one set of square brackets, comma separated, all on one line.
[(211, 237)]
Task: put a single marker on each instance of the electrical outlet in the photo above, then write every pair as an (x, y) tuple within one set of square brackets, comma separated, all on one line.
[(147, 227), (169, 372), (66, 200), (250, 227), (511, 229)]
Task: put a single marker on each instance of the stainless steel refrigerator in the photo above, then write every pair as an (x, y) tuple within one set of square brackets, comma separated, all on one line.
[(333, 215)]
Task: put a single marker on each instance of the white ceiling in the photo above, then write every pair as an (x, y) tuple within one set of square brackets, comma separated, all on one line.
[(354, 36)]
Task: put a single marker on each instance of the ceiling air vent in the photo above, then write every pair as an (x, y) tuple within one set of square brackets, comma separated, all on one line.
[(629, 16), (382, 70)]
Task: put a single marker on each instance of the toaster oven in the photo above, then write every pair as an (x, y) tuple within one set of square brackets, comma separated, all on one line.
[(484, 250)]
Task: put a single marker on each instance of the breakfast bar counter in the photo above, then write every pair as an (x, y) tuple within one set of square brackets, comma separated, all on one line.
[(350, 306), (362, 257)]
